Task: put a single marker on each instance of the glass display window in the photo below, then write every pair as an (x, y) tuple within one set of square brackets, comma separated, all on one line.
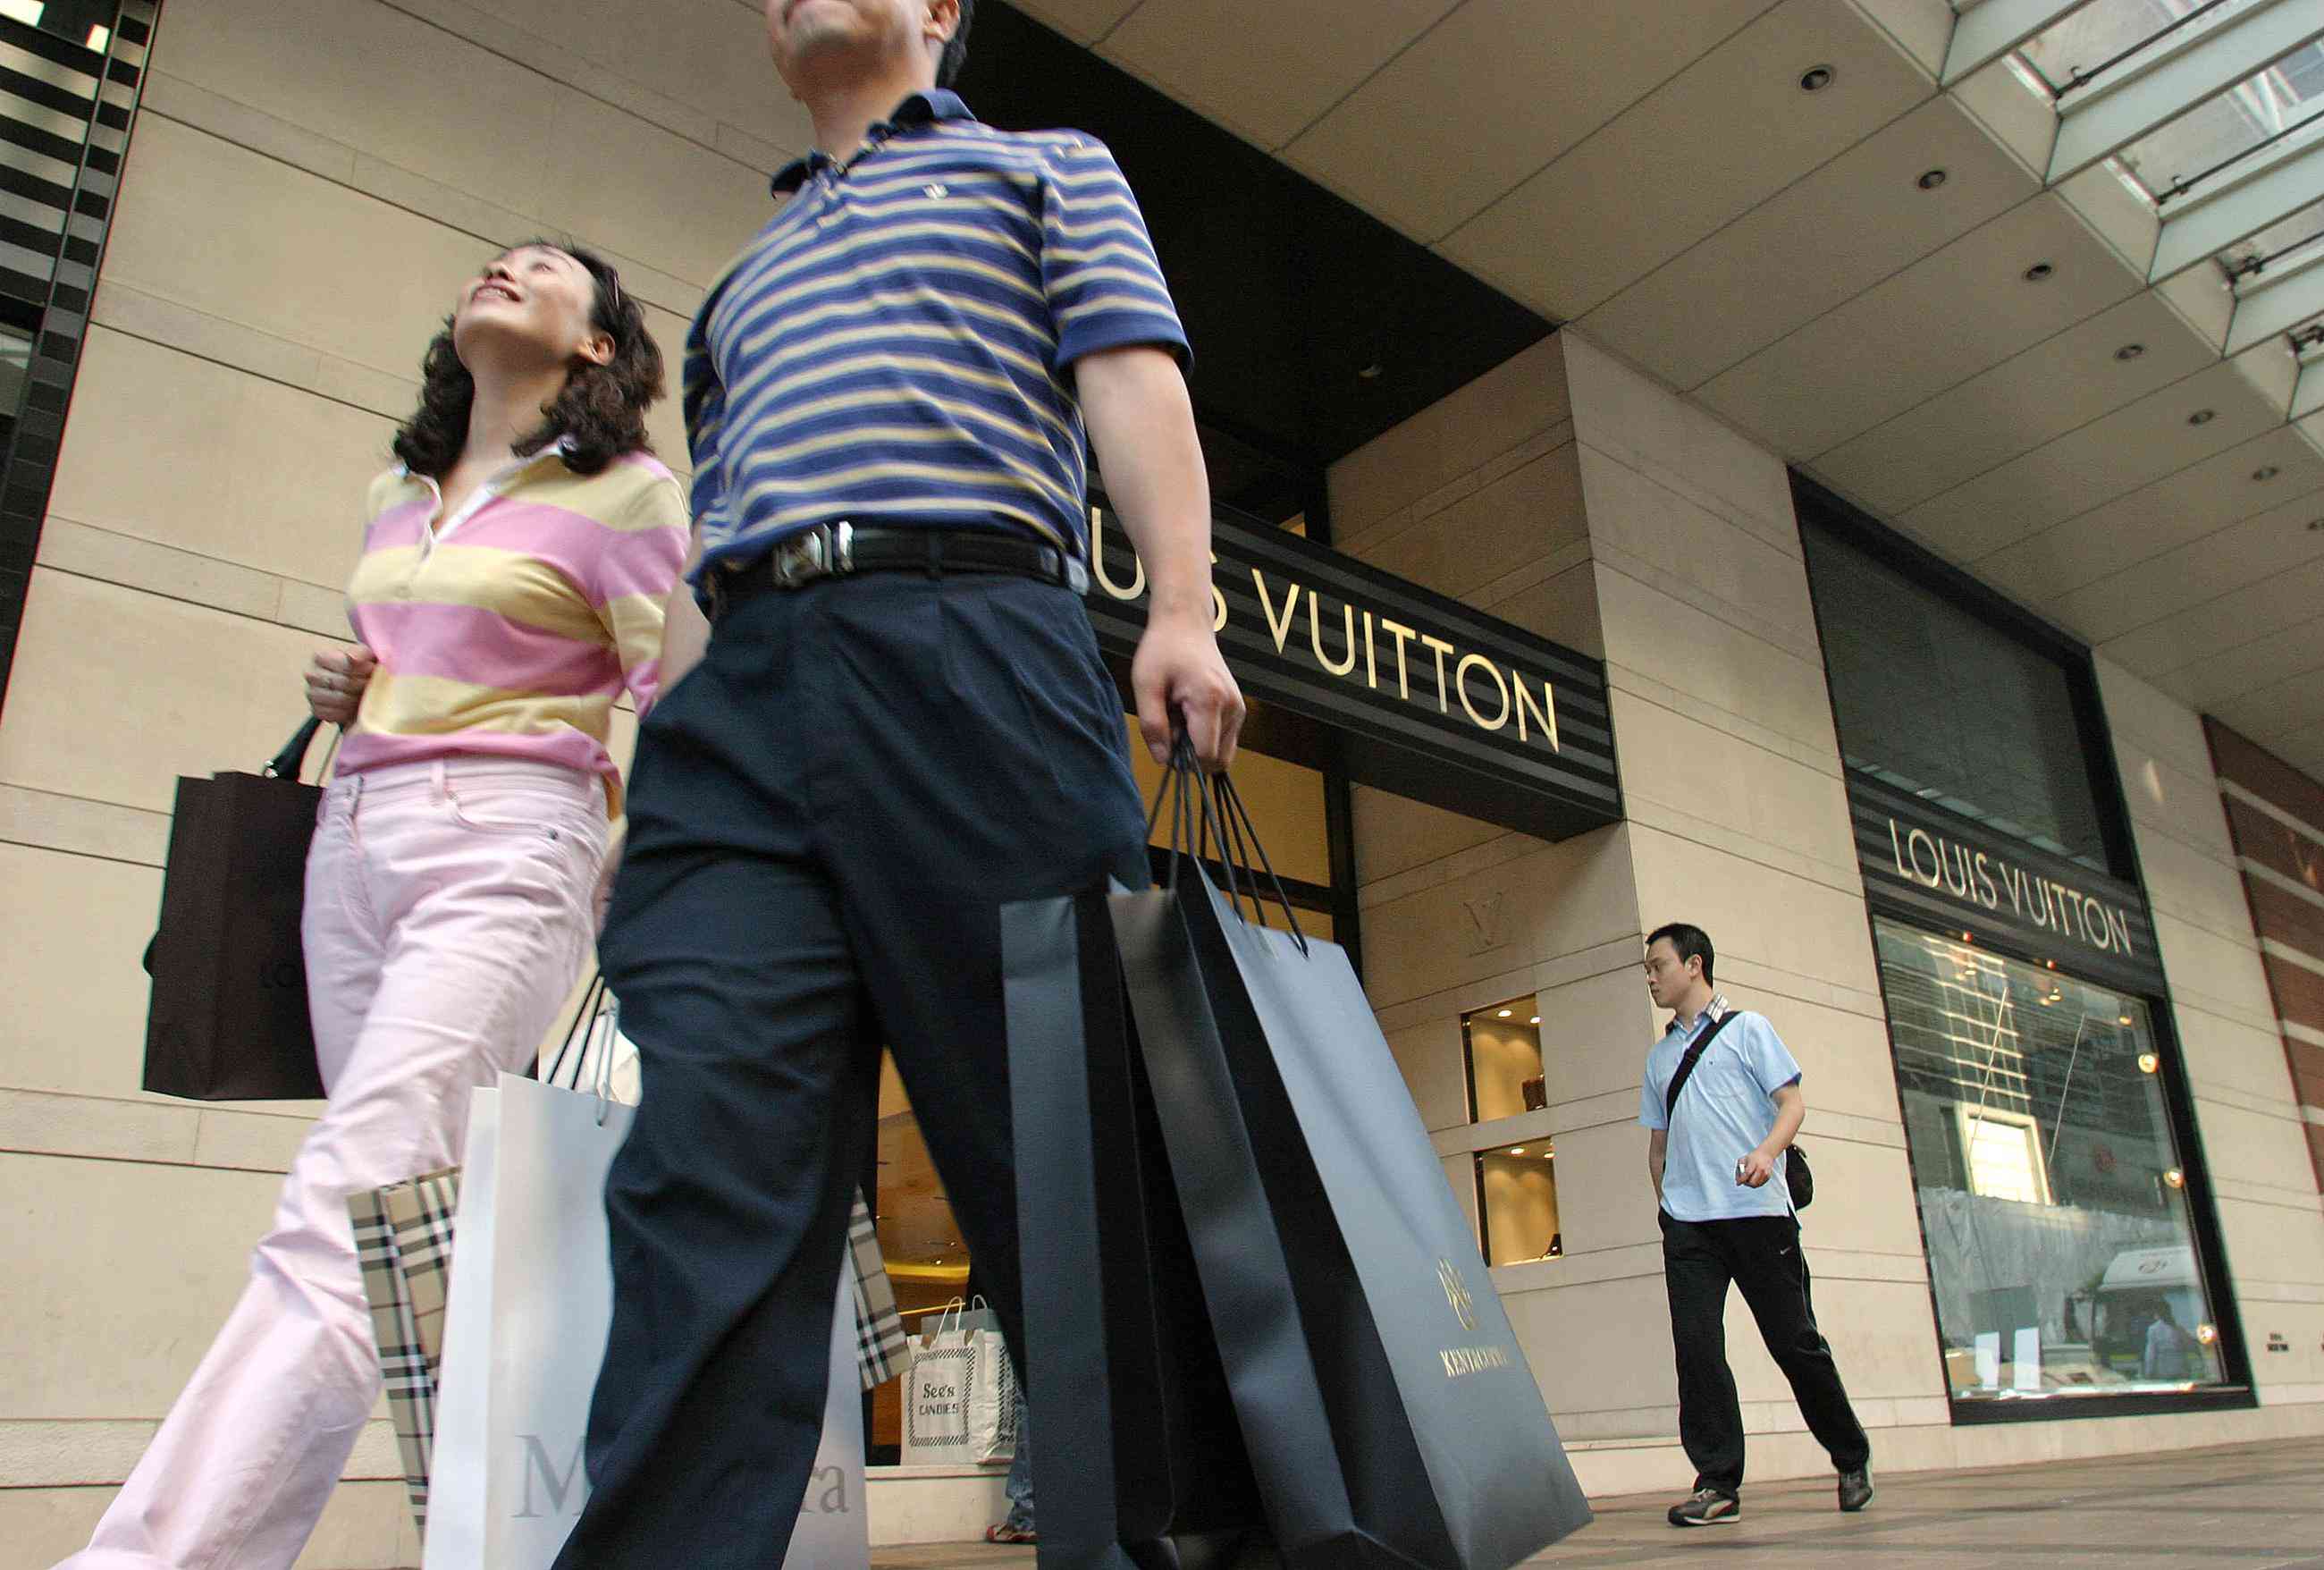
[(2061, 1240), (1503, 1045), (1516, 1202)]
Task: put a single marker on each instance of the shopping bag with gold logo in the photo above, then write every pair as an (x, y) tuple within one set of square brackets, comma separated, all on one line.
[(1390, 1415), (1118, 1338)]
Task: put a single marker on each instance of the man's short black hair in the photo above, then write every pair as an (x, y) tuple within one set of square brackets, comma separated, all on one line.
[(955, 49), (1690, 941)]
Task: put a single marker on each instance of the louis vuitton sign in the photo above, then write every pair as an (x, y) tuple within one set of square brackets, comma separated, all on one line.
[(1948, 872), (1421, 694)]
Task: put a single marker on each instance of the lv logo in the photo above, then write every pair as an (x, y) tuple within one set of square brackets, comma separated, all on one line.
[(1488, 921)]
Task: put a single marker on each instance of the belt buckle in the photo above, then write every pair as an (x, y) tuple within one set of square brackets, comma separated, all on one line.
[(825, 550)]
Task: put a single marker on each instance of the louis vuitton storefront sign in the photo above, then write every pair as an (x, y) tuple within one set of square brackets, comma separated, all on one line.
[(1950, 873), (1424, 696)]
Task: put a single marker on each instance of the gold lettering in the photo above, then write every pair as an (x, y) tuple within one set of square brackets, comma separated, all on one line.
[(1137, 585), (1545, 716), (1444, 702), (1460, 1362), (1281, 627), (1371, 666), (1400, 633), (1460, 681), (1218, 600), (1315, 633)]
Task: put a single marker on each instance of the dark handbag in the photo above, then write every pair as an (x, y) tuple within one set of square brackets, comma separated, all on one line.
[(1117, 1334), (1389, 1411), (228, 1017), (1797, 1177)]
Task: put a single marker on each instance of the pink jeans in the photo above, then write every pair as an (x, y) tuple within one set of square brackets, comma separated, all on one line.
[(448, 912)]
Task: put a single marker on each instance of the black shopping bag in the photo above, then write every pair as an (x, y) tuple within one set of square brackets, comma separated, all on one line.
[(1389, 1413), (1135, 1426), (228, 1016)]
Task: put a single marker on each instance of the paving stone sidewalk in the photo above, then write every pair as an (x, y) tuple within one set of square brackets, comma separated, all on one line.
[(2244, 1508)]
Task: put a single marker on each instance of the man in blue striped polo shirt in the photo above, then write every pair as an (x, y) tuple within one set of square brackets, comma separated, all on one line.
[(900, 722)]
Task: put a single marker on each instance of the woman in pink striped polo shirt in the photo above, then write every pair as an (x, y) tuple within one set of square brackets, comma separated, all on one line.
[(510, 591)]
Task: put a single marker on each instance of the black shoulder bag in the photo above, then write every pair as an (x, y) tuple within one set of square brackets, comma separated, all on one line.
[(1796, 1165)]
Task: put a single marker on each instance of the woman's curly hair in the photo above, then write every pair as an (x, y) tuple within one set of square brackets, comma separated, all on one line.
[(600, 416)]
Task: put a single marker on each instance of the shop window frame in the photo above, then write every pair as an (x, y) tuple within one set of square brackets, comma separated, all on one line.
[(1849, 527)]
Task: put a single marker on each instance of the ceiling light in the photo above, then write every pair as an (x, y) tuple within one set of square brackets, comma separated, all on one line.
[(1931, 179), (98, 37), (1517, 1149), (2207, 1333), (2175, 1177), (1815, 78), (2125, 1019), (2265, 473), (2039, 272), (2129, 352), (2148, 1062), (1505, 1013), (2202, 417), (1534, 1020), (27, 12)]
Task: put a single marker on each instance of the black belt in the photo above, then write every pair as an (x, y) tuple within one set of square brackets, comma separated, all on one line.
[(843, 549)]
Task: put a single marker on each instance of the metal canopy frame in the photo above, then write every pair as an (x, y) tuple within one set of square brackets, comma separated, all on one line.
[(2115, 111), (2148, 86)]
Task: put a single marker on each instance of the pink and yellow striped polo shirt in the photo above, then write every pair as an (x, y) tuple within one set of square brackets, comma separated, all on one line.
[(511, 628)]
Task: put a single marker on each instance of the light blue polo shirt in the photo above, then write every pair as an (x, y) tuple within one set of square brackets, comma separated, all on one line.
[(1724, 1114)]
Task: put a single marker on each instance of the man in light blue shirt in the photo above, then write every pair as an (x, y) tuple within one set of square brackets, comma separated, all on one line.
[(1717, 1152)]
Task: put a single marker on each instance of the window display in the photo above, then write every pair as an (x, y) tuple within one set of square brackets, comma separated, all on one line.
[(2061, 1241), (1517, 1192), (1504, 1049)]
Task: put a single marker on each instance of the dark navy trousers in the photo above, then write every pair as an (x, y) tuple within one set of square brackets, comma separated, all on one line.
[(825, 819)]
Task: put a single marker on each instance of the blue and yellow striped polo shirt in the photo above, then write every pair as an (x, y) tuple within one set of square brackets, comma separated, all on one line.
[(897, 345)]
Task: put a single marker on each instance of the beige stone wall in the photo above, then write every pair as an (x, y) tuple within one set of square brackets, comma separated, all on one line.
[(2254, 1141), (1578, 498), (309, 183)]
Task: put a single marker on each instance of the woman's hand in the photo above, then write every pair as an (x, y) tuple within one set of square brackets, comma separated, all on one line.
[(336, 683)]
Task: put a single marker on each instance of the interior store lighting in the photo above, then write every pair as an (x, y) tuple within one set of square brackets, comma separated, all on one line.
[(1534, 1020), (2175, 1177), (27, 12), (100, 38), (1507, 1013), (2148, 1062)]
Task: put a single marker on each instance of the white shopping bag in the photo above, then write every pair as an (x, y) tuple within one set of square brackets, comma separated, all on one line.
[(960, 1390), (525, 1327)]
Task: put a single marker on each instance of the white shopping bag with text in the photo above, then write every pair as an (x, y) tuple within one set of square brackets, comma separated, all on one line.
[(525, 1325), (960, 1392)]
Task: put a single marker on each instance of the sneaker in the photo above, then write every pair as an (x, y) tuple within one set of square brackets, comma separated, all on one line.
[(1855, 1490), (1706, 1506)]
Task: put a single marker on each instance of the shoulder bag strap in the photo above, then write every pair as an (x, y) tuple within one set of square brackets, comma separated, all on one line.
[(1693, 1056)]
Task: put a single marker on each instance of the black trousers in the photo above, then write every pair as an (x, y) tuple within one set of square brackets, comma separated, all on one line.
[(1762, 1255), (825, 819)]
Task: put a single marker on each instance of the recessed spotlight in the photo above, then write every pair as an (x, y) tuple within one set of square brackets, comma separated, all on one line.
[(2202, 417), (2148, 1062), (1534, 1020), (1815, 78), (2122, 1019), (2265, 473), (2039, 272), (1505, 1013), (2175, 1177), (1932, 179), (1517, 1149), (2129, 352)]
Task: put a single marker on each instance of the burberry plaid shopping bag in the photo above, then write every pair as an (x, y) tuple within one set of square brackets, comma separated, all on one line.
[(879, 1328), (403, 1238)]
